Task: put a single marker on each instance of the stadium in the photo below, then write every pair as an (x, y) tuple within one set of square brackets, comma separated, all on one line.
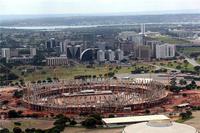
[(94, 95)]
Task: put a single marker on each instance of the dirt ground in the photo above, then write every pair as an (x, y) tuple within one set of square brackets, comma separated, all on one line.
[(195, 122), (83, 130)]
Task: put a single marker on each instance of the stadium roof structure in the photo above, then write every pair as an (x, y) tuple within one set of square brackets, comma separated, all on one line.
[(159, 127), (134, 119)]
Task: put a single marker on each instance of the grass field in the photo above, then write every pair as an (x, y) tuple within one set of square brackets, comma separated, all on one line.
[(170, 40), (187, 51), (176, 64), (69, 72), (27, 123)]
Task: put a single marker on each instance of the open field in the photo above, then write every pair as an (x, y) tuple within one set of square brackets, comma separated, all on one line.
[(69, 72), (176, 64), (27, 123), (170, 40), (188, 50)]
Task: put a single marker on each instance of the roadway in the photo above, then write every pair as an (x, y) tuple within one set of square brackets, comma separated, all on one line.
[(190, 60)]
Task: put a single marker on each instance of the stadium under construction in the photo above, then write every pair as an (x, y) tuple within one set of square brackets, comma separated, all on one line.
[(94, 95)]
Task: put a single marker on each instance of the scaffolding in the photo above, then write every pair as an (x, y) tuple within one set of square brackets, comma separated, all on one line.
[(103, 96)]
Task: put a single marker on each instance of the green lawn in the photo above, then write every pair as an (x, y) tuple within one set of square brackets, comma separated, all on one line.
[(190, 50), (176, 64), (27, 123), (69, 72), (170, 40)]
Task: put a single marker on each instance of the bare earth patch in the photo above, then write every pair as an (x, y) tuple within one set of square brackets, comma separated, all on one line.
[(83, 130)]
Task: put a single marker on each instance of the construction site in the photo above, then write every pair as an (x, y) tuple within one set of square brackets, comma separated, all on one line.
[(103, 96)]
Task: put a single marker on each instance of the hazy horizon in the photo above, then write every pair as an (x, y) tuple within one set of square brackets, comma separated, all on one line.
[(79, 7)]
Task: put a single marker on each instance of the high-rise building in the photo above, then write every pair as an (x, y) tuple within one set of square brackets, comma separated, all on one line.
[(143, 29), (33, 52), (110, 55), (51, 43), (143, 52), (5, 53), (152, 44), (119, 55), (165, 51), (129, 40), (100, 55), (63, 46), (101, 45), (14, 52)]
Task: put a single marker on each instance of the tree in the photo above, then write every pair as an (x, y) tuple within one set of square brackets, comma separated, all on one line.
[(186, 115), (193, 83), (73, 122), (17, 130), (5, 130), (18, 94), (173, 82), (96, 116), (111, 116), (185, 62), (178, 67), (13, 114), (90, 122), (197, 68), (38, 59), (182, 82), (147, 111), (49, 79)]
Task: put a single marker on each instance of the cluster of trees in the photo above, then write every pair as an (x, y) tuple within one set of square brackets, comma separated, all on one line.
[(38, 60), (19, 130), (59, 125), (84, 77), (160, 71), (186, 115), (183, 82), (19, 114), (18, 94), (93, 121), (140, 70), (48, 80), (6, 75), (196, 108)]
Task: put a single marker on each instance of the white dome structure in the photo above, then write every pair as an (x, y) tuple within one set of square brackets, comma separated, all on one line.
[(159, 127)]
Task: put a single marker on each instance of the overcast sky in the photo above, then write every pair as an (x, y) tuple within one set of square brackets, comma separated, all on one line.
[(13, 7)]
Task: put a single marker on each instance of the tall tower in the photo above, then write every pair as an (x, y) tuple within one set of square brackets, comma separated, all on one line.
[(143, 29)]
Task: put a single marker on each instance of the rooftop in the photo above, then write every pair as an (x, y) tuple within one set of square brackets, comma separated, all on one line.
[(134, 119)]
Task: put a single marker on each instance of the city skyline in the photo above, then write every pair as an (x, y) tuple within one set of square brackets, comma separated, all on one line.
[(38, 7)]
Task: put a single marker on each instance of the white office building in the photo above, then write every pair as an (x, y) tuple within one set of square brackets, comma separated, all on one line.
[(110, 55), (165, 51), (33, 52), (56, 61), (119, 54), (5, 53), (100, 56)]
